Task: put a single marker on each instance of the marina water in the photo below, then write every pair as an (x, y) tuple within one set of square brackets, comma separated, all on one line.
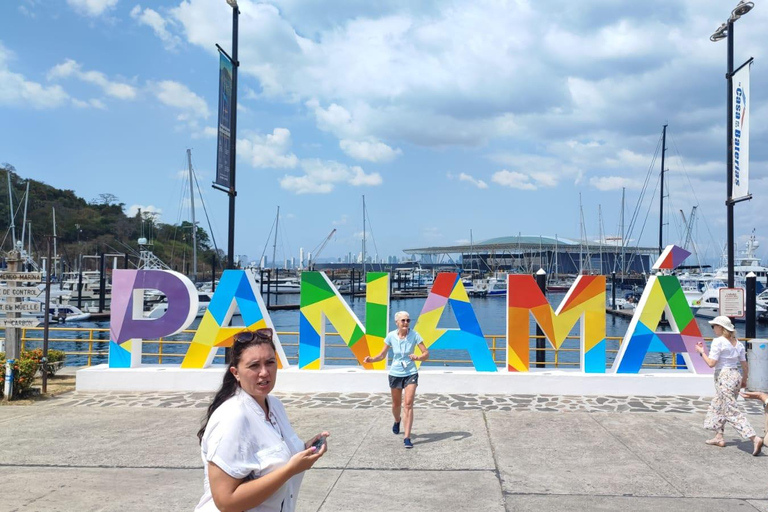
[(491, 314)]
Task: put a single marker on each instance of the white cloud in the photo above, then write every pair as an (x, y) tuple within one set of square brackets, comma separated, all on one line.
[(158, 24), (605, 183), (29, 9), (17, 91), (270, 151), (190, 107), (372, 151), (470, 179), (71, 68), (178, 96), (513, 179), (431, 232), (359, 178), (342, 221), (92, 103), (134, 209), (321, 177), (208, 132), (92, 8)]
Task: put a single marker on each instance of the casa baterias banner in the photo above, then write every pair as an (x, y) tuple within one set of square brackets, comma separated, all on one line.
[(225, 122), (740, 114)]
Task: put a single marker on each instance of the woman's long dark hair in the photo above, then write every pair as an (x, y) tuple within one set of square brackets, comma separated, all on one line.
[(243, 340)]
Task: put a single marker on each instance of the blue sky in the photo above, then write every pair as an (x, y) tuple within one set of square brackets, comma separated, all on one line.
[(489, 116)]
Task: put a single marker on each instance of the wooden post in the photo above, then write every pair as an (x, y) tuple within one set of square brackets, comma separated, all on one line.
[(12, 334)]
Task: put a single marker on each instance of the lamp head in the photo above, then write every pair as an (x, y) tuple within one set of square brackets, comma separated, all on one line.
[(720, 33), (741, 9), (233, 3)]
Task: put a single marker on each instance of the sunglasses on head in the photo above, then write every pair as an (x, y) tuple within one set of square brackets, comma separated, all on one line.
[(248, 336)]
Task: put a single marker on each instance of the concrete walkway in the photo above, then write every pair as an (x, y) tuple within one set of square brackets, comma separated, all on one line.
[(132, 452)]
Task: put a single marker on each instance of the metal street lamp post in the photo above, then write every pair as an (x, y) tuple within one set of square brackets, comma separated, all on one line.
[(233, 144), (233, 138), (726, 31)]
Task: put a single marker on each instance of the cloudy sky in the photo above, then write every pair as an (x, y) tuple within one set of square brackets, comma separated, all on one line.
[(489, 117)]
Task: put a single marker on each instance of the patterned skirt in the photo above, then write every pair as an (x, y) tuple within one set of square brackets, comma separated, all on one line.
[(723, 408)]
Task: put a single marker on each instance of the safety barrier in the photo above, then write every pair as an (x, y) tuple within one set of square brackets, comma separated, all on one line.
[(87, 346)]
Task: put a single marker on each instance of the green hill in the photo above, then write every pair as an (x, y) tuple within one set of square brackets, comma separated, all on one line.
[(90, 228)]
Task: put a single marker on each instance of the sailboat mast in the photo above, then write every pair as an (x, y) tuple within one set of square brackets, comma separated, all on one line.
[(274, 245), (472, 249), (363, 237), (10, 204), (55, 248), (600, 234), (623, 270), (661, 193), (194, 224), (582, 235), (24, 222)]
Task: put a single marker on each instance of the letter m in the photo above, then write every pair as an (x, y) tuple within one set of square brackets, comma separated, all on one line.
[(584, 302)]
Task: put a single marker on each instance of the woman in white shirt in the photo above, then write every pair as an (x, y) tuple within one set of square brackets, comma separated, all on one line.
[(252, 457), (729, 359)]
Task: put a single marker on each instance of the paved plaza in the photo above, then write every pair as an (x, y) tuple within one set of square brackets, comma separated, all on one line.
[(138, 451)]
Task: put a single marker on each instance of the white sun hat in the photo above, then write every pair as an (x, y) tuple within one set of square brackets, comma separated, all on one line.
[(724, 322)]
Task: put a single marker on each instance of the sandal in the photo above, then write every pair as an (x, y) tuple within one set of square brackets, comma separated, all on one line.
[(716, 442), (758, 446)]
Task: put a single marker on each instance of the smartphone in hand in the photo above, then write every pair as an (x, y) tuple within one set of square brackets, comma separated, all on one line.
[(319, 443)]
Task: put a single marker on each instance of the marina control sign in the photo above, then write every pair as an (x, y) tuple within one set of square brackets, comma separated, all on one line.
[(11, 299)]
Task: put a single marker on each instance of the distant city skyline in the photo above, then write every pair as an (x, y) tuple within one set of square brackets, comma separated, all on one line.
[(457, 121)]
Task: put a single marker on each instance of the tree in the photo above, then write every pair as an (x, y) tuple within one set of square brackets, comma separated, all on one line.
[(105, 199)]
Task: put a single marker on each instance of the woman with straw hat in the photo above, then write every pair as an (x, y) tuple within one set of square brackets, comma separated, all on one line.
[(728, 357)]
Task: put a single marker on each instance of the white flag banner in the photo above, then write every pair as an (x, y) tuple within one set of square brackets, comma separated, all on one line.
[(740, 115)]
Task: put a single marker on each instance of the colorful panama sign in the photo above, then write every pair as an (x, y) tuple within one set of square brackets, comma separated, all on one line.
[(321, 302)]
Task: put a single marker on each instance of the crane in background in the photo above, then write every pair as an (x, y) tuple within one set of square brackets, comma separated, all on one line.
[(688, 240), (688, 224), (319, 249)]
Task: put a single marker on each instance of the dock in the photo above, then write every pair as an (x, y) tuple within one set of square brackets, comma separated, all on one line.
[(283, 307), (410, 294), (629, 313), (625, 313)]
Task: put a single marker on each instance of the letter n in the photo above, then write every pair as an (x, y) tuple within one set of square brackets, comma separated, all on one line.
[(585, 301), (321, 301)]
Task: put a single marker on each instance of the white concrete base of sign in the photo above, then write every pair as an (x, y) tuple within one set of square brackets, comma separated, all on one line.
[(340, 379)]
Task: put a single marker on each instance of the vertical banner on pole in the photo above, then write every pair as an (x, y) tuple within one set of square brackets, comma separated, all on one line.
[(225, 121), (740, 116)]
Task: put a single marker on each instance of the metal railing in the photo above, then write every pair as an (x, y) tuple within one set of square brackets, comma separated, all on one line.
[(95, 345)]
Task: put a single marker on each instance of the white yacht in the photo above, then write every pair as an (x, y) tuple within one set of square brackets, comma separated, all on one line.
[(709, 306), (90, 286), (203, 300), (747, 263), (694, 286), (60, 313)]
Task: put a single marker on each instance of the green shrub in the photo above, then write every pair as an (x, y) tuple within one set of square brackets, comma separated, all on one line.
[(25, 368), (55, 356)]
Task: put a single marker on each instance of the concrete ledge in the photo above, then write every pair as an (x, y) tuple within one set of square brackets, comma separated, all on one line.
[(356, 380)]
